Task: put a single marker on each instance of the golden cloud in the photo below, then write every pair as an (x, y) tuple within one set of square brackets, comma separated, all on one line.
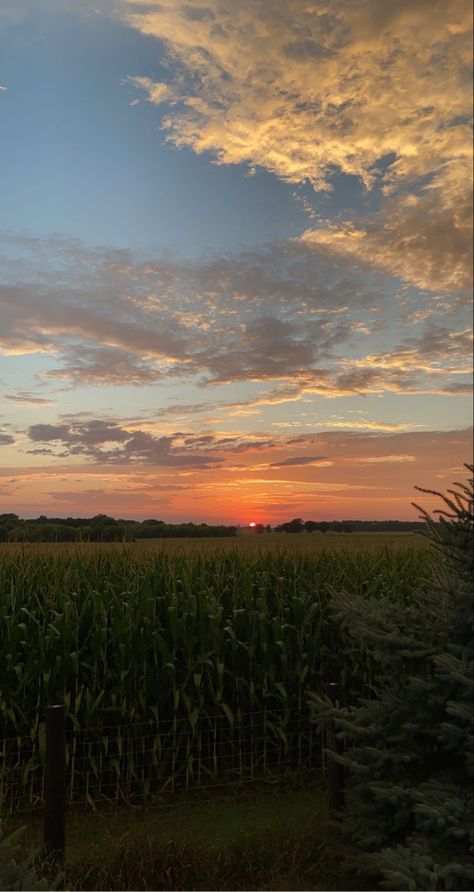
[(377, 90)]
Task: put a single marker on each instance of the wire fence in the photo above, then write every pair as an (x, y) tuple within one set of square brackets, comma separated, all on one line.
[(157, 760)]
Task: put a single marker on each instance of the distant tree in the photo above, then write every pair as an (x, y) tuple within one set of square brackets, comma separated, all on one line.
[(100, 520), (292, 526), (9, 519), (18, 534), (106, 529)]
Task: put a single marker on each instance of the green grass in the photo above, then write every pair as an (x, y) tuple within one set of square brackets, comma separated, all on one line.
[(263, 840)]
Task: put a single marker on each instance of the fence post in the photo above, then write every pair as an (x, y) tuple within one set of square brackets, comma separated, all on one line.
[(335, 771), (55, 777)]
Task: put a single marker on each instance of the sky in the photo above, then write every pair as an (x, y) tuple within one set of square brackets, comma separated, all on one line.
[(235, 257)]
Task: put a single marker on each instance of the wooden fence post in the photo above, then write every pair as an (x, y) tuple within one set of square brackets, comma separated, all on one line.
[(55, 777), (335, 771)]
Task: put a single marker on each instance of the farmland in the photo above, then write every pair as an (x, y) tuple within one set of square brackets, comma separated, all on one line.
[(183, 663), (243, 543), (186, 668)]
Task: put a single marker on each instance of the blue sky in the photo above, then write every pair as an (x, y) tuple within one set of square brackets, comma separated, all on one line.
[(78, 158), (231, 236)]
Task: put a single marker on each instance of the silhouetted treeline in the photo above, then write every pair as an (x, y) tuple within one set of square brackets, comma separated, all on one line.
[(100, 528), (103, 528), (297, 525)]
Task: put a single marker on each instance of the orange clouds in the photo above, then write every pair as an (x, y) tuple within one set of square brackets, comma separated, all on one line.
[(427, 242), (297, 88), (378, 90), (331, 474)]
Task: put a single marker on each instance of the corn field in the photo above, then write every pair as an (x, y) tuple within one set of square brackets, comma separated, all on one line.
[(176, 669)]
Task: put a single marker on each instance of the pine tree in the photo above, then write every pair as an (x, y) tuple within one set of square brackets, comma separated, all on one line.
[(409, 745), (17, 868)]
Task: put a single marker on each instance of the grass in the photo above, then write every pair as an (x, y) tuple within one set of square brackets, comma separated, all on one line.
[(263, 840)]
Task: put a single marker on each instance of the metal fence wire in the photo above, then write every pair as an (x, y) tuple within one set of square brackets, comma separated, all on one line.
[(143, 761)]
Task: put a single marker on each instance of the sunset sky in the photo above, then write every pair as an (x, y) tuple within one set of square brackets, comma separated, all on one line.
[(235, 242)]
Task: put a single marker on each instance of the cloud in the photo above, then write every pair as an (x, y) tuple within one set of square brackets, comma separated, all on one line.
[(371, 473), (286, 313), (111, 442), (386, 459), (298, 461), (381, 92), (439, 350), (299, 90), (28, 399), (272, 312), (457, 389), (352, 424), (118, 500), (95, 365), (426, 241), (6, 440), (108, 442), (156, 93)]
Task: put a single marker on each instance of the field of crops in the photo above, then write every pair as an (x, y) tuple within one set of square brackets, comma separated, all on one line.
[(179, 664)]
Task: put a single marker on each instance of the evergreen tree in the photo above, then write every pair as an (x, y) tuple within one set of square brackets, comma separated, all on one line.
[(17, 868), (409, 744)]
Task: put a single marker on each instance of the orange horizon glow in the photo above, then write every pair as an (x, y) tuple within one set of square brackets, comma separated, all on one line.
[(374, 481)]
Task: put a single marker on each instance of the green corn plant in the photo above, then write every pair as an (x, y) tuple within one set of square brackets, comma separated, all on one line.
[(190, 660)]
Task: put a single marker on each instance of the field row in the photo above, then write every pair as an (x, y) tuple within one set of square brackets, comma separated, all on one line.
[(177, 668), (126, 635)]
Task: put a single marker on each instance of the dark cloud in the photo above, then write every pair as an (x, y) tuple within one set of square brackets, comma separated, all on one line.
[(458, 389), (114, 366), (299, 460), (96, 440), (116, 442), (48, 432)]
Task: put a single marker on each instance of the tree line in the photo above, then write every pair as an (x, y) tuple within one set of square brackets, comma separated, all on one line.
[(101, 528), (297, 525)]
